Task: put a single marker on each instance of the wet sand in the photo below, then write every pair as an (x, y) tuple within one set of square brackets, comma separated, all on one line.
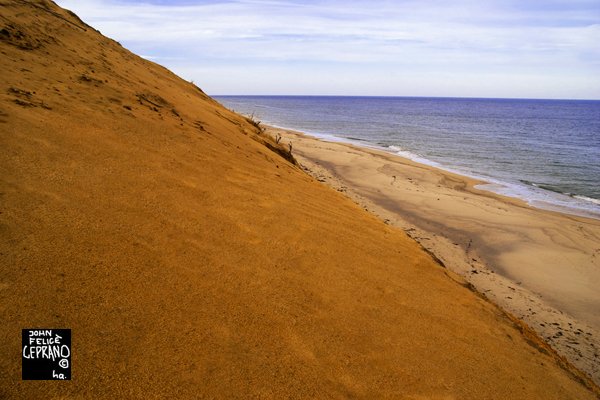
[(541, 266)]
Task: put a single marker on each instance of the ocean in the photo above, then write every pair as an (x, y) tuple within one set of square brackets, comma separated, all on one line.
[(546, 152)]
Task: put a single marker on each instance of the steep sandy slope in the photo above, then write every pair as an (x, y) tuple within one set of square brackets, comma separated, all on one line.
[(192, 262)]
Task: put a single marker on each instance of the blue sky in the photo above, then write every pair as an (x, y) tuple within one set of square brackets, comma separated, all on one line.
[(464, 48)]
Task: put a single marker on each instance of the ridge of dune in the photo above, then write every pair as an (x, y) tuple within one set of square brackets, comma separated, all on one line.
[(192, 261)]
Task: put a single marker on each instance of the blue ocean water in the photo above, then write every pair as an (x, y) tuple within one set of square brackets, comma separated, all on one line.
[(546, 152)]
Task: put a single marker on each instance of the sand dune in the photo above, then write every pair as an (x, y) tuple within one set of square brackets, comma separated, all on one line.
[(191, 261)]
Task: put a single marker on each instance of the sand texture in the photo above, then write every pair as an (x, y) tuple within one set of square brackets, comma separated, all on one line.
[(192, 261)]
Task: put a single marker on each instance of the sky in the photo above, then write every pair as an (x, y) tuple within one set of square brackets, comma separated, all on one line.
[(462, 48)]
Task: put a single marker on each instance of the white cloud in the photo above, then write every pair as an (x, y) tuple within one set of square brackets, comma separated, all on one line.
[(327, 40)]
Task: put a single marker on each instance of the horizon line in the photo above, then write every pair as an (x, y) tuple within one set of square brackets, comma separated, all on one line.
[(404, 96)]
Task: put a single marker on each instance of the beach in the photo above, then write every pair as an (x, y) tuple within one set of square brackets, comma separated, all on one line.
[(191, 256), (541, 266)]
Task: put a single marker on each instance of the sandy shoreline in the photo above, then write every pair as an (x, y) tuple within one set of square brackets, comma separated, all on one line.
[(541, 266)]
